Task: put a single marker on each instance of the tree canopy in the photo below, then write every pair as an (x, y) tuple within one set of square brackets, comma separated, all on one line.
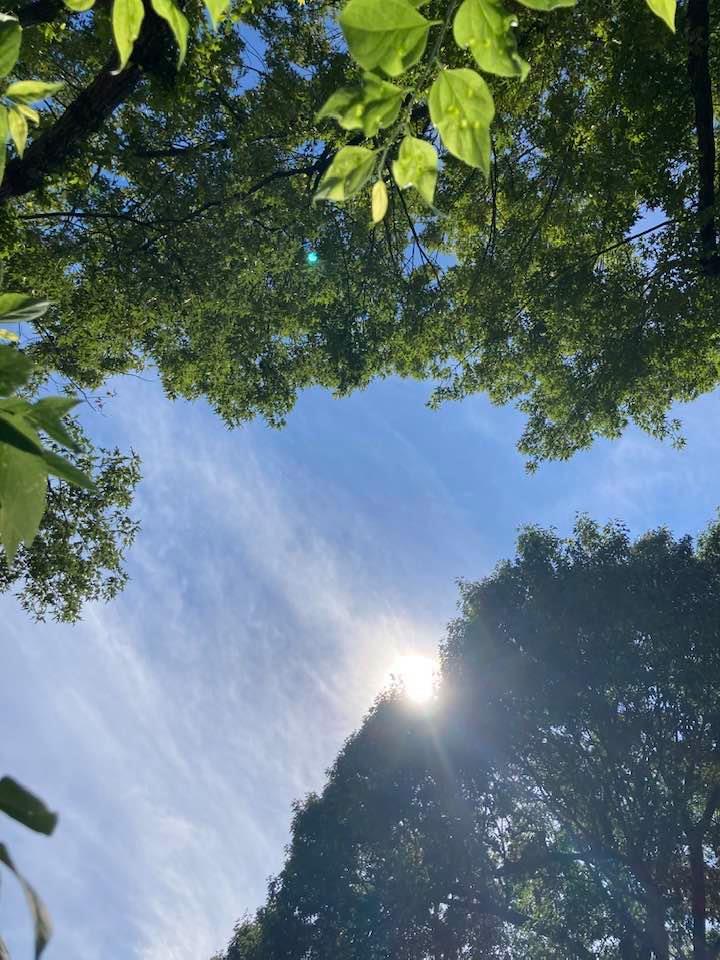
[(560, 798), (171, 222)]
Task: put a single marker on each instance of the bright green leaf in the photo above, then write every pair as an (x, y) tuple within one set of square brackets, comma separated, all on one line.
[(665, 9), (59, 467), (8, 335), (368, 108), (18, 129), (389, 34), (10, 40), (462, 108), (28, 112), (79, 6), (488, 30), (178, 22), (127, 18), (15, 369), (30, 91), (41, 918), (47, 414), (25, 807), (416, 166), (20, 308), (23, 487), (379, 201), (349, 172), (216, 9)]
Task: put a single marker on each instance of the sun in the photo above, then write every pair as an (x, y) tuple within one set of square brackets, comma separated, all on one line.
[(417, 675)]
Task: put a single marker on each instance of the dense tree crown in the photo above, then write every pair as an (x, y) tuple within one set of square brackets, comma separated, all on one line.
[(560, 799), (169, 216)]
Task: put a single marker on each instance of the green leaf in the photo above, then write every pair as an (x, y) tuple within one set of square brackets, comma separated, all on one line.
[(15, 369), (416, 166), (20, 308), (59, 467), (18, 129), (216, 9), (665, 9), (349, 172), (389, 34), (170, 12), (47, 414), (28, 112), (23, 487), (379, 201), (462, 108), (30, 91), (547, 5), (79, 6), (127, 18), (488, 30), (8, 335), (10, 40), (41, 918), (374, 105), (25, 807)]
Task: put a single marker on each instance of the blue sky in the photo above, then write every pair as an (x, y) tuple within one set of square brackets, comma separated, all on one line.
[(276, 578)]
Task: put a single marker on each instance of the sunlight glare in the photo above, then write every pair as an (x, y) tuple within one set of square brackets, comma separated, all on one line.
[(417, 675)]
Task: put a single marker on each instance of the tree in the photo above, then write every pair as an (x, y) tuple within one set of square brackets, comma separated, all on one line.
[(561, 796), (178, 233), (78, 553)]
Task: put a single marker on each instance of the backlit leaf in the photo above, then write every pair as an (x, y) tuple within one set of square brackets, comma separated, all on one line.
[(216, 9), (488, 30), (28, 112), (386, 34), (47, 414), (15, 369), (30, 91), (59, 467), (462, 108), (665, 9), (10, 40), (127, 18), (79, 6), (368, 108), (379, 201), (416, 166), (349, 172), (20, 308), (23, 488), (18, 129), (177, 21)]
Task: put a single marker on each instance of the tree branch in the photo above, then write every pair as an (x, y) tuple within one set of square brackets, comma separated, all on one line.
[(51, 151)]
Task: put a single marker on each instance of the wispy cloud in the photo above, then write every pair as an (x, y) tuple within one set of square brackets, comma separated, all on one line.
[(276, 579), (174, 728)]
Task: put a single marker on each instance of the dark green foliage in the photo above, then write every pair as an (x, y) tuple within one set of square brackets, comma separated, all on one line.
[(78, 553), (177, 233), (558, 801)]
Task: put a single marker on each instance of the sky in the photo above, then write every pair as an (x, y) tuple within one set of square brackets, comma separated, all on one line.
[(277, 577)]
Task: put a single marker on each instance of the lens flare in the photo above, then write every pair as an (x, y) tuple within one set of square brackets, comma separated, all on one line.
[(417, 675)]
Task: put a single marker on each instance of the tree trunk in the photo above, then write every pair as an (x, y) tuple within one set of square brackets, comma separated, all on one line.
[(698, 35), (698, 896)]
